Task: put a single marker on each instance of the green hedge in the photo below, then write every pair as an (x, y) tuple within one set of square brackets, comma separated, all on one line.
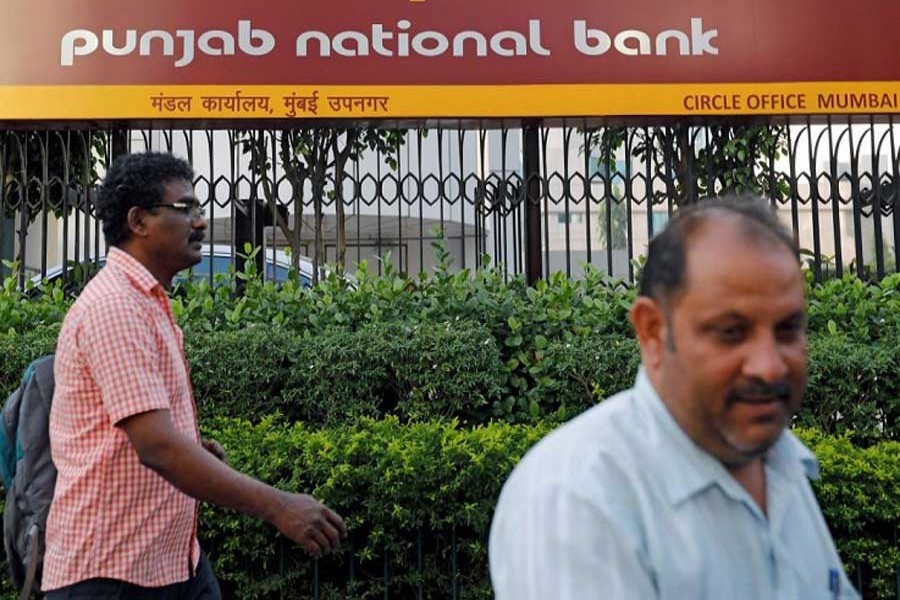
[(512, 311), (854, 388), (415, 371), (389, 480), (421, 371), (17, 350), (430, 485), (859, 493)]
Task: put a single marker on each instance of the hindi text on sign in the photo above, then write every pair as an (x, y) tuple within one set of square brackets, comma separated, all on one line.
[(295, 104), (162, 103)]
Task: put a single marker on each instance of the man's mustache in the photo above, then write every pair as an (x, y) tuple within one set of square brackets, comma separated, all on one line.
[(196, 237), (779, 390)]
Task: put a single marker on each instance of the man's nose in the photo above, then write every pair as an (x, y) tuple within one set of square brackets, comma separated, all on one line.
[(199, 222), (765, 360)]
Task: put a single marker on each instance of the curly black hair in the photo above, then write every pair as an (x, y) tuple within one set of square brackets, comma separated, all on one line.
[(135, 180)]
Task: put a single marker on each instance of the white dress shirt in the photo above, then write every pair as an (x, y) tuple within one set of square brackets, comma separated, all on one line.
[(620, 504)]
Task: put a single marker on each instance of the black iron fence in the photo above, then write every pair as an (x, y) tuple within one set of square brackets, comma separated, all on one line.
[(532, 197)]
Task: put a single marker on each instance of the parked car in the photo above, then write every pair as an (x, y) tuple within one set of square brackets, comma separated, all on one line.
[(277, 267)]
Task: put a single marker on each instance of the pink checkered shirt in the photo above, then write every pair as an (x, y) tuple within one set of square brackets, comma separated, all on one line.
[(120, 353)]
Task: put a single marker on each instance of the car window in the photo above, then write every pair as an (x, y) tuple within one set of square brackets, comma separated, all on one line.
[(221, 263)]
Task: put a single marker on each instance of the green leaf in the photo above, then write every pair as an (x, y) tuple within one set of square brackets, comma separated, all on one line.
[(514, 341)]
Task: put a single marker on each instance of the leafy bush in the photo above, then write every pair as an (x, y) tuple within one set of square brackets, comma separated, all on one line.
[(859, 493), (239, 373), (853, 388), (861, 310), (430, 487), (17, 350), (457, 369), (513, 312), (415, 371), (571, 375), (393, 482), (23, 311)]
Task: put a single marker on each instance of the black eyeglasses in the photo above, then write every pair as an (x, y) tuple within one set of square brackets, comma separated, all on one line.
[(188, 209)]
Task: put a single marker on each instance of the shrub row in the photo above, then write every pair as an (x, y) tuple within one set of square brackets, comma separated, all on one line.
[(416, 371), (411, 494), (390, 482), (514, 313), (395, 482), (421, 371), (853, 387)]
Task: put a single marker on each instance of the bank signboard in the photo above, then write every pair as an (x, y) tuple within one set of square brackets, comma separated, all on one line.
[(290, 59)]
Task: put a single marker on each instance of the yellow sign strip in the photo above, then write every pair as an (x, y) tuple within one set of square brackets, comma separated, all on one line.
[(353, 102)]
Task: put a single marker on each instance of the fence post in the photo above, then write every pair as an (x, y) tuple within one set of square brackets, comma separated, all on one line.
[(7, 238), (532, 175), (118, 143)]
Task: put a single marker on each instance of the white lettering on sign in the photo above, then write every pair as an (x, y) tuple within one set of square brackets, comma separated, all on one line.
[(634, 42), (401, 40), (250, 41)]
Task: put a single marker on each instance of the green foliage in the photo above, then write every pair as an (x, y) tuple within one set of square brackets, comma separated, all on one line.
[(473, 347), (864, 311), (22, 311), (390, 482), (859, 493), (412, 370), (853, 388), (694, 162), (17, 350), (581, 371)]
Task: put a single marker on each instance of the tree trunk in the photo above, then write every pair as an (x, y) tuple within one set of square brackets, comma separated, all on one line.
[(341, 156)]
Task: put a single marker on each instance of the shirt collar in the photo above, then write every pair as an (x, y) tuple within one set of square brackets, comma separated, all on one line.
[(133, 269), (688, 469)]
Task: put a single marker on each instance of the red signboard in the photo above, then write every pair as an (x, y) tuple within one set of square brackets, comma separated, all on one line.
[(443, 58)]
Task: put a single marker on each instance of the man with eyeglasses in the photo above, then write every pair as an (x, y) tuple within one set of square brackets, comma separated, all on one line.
[(123, 424)]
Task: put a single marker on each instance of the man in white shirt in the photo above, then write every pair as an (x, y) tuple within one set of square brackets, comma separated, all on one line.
[(688, 485)]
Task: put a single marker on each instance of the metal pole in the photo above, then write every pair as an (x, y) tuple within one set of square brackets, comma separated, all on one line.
[(119, 142), (532, 173)]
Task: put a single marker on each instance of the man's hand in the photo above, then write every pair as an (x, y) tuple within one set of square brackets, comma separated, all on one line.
[(309, 523), (216, 449), (196, 471)]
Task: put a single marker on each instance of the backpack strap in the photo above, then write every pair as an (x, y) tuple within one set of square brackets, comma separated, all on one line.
[(31, 573)]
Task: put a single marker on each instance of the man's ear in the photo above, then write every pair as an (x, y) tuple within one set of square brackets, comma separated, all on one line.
[(651, 327), (137, 222)]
